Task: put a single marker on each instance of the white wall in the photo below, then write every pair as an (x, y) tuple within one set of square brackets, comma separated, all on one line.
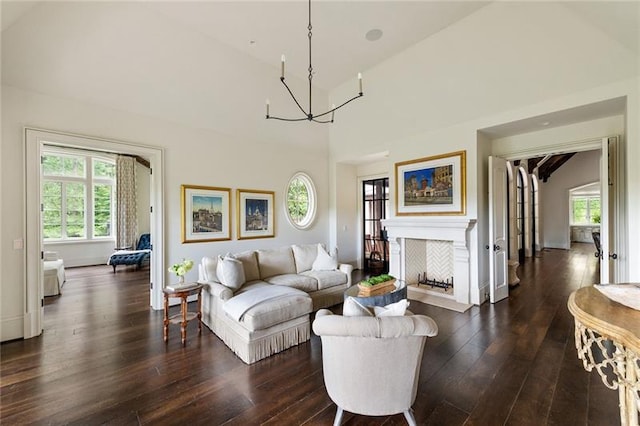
[(506, 62), (143, 198), (581, 169), (344, 212), (192, 156)]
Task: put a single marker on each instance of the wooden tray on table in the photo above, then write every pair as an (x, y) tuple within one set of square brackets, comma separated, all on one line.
[(382, 288)]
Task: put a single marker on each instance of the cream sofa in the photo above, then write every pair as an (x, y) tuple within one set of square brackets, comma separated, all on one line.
[(270, 311)]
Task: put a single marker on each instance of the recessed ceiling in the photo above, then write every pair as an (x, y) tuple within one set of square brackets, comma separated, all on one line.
[(608, 108)]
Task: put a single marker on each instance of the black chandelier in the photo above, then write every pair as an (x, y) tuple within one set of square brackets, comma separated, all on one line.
[(308, 115)]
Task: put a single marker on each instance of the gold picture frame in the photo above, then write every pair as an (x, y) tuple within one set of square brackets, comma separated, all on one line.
[(434, 185), (206, 213), (255, 214)]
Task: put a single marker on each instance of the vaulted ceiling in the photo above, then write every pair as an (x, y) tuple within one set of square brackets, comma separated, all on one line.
[(548, 165), (176, 52)]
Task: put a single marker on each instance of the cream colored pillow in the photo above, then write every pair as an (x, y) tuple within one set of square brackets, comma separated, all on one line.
[(396, 309), (353, 308), (324, 261), (209, 265), (230, 272)]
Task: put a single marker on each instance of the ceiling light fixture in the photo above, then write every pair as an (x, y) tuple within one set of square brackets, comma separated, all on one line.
[(308, 115)]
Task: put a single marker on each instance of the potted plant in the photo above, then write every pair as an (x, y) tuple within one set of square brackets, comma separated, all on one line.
[(378, 284), (181, 268)]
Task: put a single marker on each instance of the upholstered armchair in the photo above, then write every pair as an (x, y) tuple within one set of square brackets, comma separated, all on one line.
[(372, 364), (132, 257)]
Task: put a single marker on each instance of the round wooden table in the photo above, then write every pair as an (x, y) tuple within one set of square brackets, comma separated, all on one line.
[(184, 316), (607, 338)]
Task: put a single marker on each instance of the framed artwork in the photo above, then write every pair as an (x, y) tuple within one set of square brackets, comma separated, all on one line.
[(255, 214), (432, 185), (206, 213)]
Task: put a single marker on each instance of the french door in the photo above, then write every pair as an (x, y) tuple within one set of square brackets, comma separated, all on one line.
[(375, 196)]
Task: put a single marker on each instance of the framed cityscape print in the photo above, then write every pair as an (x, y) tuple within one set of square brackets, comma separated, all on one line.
[(206, 213), (432, 185), (255, 214)]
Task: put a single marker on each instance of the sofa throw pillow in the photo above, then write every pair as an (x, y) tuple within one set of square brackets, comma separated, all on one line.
[(396, 309), (353, 308), (209, 265), (304, 256), (230, 272), (324, 261)]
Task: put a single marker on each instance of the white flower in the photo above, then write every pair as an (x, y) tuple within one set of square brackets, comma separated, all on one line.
[(180, 269)]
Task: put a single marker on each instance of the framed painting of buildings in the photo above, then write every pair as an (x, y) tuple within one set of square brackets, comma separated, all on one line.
[(206, 213), (255, 214), (432, 185)]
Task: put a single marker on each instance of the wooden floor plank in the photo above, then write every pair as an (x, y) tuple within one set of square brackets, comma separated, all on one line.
[(102, 360)]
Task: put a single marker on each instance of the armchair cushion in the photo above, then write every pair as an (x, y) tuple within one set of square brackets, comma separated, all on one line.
[(378, 327)]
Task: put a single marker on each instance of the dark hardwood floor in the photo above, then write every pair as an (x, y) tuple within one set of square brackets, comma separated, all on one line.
[(102, 360)]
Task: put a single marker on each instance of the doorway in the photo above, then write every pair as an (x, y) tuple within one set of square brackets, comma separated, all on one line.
[(375, 205), (551, 210), (35, 139)]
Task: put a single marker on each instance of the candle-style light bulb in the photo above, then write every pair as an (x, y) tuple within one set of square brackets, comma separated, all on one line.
[(282, 66), (333, 111), (267, 108), (360, 81)]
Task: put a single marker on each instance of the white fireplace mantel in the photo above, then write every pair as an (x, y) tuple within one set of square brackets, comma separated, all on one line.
[(451, 229)]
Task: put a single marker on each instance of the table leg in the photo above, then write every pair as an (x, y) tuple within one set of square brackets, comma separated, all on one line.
[(200, 312), (632, 405), (183, 325), (165, 322)]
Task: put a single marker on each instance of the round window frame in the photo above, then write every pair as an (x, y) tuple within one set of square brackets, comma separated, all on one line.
[(310, 217)]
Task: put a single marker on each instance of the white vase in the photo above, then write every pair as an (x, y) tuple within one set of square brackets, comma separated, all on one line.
[(180, 279)]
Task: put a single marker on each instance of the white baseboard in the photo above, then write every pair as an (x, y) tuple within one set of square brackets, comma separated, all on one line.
[(89, 261), (483, 294), (11, 328)]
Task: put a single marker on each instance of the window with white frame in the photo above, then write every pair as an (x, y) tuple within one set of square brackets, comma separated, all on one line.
[(585, 209), (300, 201), (78, 195)]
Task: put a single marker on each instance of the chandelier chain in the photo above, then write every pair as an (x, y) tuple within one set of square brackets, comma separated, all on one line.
[(309, 116)]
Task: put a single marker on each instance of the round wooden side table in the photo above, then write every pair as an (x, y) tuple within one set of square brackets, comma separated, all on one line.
[(184, 316)]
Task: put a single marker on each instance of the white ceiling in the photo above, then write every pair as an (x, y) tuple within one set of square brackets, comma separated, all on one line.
[(267, 29), (264, 30), (339, 47)]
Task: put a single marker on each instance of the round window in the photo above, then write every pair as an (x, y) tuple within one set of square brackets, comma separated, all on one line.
[(301, 201)]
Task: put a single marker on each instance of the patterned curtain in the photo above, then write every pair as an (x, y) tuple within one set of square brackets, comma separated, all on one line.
[(127, 215)]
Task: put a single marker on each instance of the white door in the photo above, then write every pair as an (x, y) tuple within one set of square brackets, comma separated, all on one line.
[(608, 209), (498, 287)]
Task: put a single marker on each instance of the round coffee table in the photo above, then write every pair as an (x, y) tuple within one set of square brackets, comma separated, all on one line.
[(396, 295)]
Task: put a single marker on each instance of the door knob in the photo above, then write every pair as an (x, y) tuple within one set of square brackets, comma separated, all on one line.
[(614, 256), (496, 247)]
